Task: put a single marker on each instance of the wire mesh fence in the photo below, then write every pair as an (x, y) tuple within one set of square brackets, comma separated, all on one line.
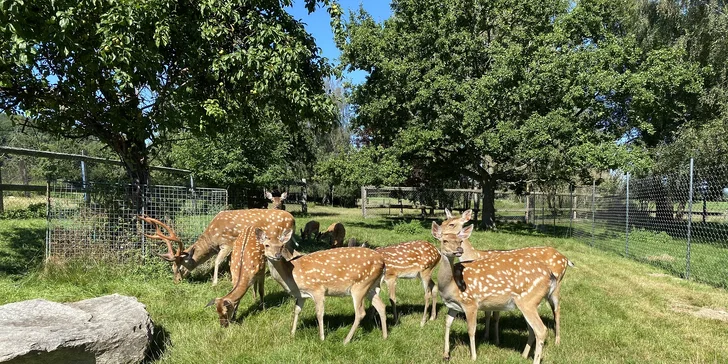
[(416, 202), (98, 221)]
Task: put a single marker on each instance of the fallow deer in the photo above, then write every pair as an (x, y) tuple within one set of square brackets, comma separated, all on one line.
[(247, 268), (220, 235), (354, 272), (411, 259), (277, 201), (310, 230), (334, 234), (493, 284), (556, 262)]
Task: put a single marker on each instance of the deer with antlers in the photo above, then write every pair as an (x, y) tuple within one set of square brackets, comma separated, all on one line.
[(409, 260), (491, 284), (218, 238), (354, 272), (556, 262), (247, 268)]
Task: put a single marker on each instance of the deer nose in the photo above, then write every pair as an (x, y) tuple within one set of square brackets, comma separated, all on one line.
[(460, 250), (278, 255)]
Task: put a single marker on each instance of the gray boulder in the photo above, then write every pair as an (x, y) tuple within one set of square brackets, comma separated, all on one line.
[(109, 329)]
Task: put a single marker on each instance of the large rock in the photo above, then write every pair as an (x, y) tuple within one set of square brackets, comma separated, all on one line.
[(109, 329)]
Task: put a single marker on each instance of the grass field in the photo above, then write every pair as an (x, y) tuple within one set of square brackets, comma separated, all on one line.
[(614, 310)]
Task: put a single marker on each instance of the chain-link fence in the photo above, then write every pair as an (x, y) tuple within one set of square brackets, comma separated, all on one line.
[(98, 221), (416, 202)]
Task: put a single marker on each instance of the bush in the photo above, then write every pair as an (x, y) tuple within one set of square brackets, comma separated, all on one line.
[(411, 227)]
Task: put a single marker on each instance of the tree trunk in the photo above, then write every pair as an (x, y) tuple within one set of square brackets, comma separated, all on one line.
[(135, 156), (488, 215)]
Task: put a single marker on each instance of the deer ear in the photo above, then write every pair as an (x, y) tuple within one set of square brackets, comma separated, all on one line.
[(269, 196), (260, 234), (465, 233), (436, 231), (467, 215), (211, 303), (448, 214), (286, 236), (284, 195)]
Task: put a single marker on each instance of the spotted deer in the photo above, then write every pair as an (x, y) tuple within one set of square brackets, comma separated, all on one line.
[(411, 259), (354, 272), (491, 284), (311, 229), (277, 201), (247, 268), (525, 257), (334, 234), (219, 238)]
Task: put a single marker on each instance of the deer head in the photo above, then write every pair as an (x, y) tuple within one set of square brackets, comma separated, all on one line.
[(277, 201), (275, 246), (451, 243), (171, 256)]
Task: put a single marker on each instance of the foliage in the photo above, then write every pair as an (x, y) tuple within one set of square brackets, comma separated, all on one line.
[(411, 227), (368, 166), (510, 91), (135, 73)]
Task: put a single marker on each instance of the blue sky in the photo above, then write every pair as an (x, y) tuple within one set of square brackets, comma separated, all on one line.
[(317, 24)]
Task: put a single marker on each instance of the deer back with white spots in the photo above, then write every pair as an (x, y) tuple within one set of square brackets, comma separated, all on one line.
[(493, 284), (411, 259), (525, 257), (247, 268), (334, 235), (220, 235), (354, 272)]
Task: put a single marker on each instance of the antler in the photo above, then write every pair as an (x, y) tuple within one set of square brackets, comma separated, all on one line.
[(168, 239)]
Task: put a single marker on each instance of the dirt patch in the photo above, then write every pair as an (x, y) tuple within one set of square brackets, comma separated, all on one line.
[(702, 312), (661, 275), (660, 258)]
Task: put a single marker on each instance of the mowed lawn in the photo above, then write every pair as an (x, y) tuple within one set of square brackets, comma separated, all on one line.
[(613, 309)]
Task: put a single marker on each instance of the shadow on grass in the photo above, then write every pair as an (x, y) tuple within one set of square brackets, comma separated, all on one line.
[(21, 249), (274, 299), (299, 214), (160, 341), (333, 322)]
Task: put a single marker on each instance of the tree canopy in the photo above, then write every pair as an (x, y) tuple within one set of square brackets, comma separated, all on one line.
[(137, 74), (511, 91)]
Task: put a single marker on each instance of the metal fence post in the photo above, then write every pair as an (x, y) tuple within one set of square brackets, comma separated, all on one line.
[(571, 212), (48, 220), (363, 201), (594, 192), (690, 221), (543, 211), (626, 223)]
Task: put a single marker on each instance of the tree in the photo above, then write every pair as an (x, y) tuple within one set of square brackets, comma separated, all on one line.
[(506, 92), (136, 74)]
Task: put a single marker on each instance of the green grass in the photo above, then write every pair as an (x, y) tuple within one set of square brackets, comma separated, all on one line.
[(613, 309)]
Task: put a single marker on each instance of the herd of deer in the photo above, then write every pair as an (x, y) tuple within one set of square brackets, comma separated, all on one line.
[(489, 280)]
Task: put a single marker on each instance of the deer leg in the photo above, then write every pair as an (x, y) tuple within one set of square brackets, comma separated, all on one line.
[(471, 316), (433, 289), (556, 308), (426, 280), (261, 287), (359, 313), (296, 312), (488, 314), (496, 330), (225, 250), (381, 309), (392, 288), (319, 299), (537, 330), (448, 322)]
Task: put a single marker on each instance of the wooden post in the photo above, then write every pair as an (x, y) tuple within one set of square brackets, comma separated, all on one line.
[(528, 201), (363, 201), (304, 197)]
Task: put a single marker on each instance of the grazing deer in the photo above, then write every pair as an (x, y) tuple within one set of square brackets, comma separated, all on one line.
[(277, 201), (310, 230), (247, 268), (410, 260), (334, 234), (219, 237), (493, 284), (354, 272), (556, 262)]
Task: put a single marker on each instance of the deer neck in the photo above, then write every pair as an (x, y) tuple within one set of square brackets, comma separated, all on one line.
[(201, 250), (469, 253), (445, 280), (282, 271)]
